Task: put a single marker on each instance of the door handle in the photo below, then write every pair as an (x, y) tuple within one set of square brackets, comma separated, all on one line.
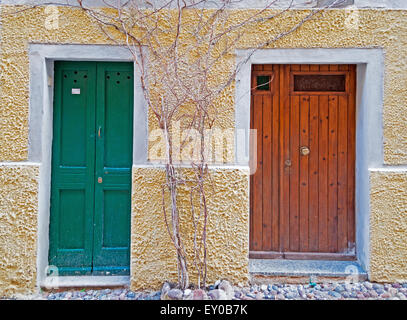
[(99, 131), (100, 180)]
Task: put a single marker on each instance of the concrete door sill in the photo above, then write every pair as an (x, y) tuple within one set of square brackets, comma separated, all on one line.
[(304, 269), (86, 281)]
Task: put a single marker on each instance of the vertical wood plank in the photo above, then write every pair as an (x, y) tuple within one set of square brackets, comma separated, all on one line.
[(305, 67), (284, 156), (267, 67), (304, 174), (324, 67), (314, 67), (313, 174), (275, 160), (252, 157), (323, 174), (267, 172), (258, 175), (343, 67), (294, 174), (342, 172), (333, 67), (295, 67), (333, 175)]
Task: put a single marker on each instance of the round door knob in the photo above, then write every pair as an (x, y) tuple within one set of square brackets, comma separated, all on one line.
[(304, 151)]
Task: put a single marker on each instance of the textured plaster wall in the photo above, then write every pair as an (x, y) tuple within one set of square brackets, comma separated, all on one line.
[(388, 226), (227, 238), (18, 228), (152, 259), (376, 28), (379, 28)]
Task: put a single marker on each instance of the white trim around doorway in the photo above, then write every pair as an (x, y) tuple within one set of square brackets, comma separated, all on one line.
[(369, 106), (42, 57)]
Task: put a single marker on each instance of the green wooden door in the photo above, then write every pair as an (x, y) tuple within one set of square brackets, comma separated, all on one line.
[(91, 168)]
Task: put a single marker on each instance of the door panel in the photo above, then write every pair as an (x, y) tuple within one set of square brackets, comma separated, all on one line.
[(118, 116), (71, 223), (305, 143), (90, 217), (72, 205), (113, 166), (75, 119), (115, 231)]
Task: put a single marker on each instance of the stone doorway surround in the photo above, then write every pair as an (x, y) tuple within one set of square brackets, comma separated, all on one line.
[(369, 106), (42, 57)]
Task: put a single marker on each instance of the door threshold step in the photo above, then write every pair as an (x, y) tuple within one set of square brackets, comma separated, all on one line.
[(85, 281), (299, 271)]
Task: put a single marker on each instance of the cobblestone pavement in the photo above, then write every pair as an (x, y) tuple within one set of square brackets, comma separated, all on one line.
[(223, 290)]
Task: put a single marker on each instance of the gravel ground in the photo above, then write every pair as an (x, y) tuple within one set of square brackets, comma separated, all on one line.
[(219, 291)]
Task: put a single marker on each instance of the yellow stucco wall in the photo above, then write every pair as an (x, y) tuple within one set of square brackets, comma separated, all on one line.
[(18, 228), (377, 28), (228, 223), (388, 226)]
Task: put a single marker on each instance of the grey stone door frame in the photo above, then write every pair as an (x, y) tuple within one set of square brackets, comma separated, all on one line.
[(369, 106)]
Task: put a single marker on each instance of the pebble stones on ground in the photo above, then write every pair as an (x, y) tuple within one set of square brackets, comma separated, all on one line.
[(103, 294), (326, 291), (223, 290)]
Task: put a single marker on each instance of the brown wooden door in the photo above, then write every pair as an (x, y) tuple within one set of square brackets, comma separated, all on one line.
[(303, 191)]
